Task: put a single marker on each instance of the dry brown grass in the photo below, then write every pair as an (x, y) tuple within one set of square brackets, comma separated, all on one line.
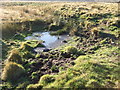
[(51, 12), (32, 12)]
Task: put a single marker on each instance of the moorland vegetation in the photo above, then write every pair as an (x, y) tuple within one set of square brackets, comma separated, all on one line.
[(89, 59)]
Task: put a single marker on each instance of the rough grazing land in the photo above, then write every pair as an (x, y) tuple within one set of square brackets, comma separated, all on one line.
[(89, 59)]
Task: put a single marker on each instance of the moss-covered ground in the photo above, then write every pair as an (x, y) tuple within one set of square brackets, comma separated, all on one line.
[(89, 59)]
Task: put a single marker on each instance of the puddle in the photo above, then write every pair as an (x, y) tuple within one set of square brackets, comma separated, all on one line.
[(50, 41)]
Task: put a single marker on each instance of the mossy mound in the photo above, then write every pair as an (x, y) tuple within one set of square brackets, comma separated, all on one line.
[(14, 56), (47, 79), (71, 49), (12, 72)]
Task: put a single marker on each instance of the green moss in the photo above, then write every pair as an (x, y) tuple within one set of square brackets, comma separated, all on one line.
[(35, 43), (91, 71), (46, 79), (61, 69), (34, 86), (96, 70), (71, 49), (34, 75), (104, 41), (76, 82), (37, 56), (25, 46), (112, 28), (59, 32), (80, 52)]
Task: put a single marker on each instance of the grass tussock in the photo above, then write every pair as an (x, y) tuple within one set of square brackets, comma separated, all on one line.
[(15, 56), (12, 72)]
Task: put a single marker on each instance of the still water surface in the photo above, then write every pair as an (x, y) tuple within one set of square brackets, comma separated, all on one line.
[(50, 41)]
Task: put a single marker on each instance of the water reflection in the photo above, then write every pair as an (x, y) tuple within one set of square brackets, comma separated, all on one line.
[(49, 40)]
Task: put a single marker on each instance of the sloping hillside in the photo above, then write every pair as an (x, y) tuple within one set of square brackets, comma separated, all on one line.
[(89, 58)]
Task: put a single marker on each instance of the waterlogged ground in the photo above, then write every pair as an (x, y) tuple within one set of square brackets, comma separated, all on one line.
[(60, 45), (50, 41)]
